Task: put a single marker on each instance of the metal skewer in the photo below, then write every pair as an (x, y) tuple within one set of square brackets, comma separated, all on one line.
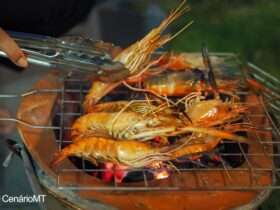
[(208, 65)]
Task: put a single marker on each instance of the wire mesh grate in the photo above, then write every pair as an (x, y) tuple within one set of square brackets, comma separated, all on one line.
[(257, 162), (231, 166)]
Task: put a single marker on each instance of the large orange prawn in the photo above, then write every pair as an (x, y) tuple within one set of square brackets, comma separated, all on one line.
[(144, 121), (144, 107), (183, 61), (125, 125), (136, 58), (131, 153), (183, 82)]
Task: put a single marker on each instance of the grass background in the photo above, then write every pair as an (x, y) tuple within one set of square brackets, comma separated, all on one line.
[(250, 28)]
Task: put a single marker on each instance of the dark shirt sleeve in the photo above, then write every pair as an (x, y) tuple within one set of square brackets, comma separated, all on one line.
[(49, 17)]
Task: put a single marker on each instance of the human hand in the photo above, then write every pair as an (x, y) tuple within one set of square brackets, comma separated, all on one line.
[(10, 47)]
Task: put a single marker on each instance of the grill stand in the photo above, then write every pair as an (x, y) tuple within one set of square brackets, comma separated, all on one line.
[(37, 109)]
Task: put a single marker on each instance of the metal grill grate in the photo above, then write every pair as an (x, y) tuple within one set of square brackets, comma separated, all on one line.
[(197, 172), (256, 164)]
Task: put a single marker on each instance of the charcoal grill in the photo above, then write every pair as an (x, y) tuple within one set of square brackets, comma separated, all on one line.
[(43, 119)]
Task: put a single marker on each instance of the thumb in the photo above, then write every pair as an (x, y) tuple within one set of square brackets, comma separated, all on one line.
[(10, 47)]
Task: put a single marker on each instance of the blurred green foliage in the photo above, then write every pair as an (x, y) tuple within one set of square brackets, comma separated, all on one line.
[(249, 28)]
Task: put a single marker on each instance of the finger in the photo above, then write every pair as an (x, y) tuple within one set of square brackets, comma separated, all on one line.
[(10, 47)]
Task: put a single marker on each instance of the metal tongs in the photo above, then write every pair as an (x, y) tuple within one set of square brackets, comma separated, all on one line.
[(72, 54)]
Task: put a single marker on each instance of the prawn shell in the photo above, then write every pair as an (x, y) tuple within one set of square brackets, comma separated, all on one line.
[(98, 149), (172, 83)]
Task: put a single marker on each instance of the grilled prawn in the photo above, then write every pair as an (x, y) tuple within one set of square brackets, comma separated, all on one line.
[(144, 121), (132, 153), (130, 125), (136, 58), (143, 107), (183, 61), (124, 125), (182, 83), (126, 152)]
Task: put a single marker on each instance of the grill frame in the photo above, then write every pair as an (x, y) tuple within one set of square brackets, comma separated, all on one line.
[(250, 72), (170, 187), (35, 132)]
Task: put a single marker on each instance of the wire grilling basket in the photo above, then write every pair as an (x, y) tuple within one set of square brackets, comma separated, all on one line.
[(231, 166)]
